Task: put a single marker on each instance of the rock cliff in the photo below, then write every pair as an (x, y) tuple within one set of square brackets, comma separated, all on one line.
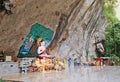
[(79, 26)]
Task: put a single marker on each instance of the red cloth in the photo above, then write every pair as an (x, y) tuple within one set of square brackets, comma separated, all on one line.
[(45, 56), (99, 59)]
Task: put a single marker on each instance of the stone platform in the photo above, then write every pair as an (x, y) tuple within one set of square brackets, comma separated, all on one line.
[(8, 68), (77, 74)]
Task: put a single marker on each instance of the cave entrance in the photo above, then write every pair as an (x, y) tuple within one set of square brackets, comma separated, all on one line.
[(29, 45)]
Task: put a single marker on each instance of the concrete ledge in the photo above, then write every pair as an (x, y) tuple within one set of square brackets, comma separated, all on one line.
[(7, 68)]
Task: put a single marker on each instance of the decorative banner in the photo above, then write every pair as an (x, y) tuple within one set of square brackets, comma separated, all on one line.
[(30, 43)]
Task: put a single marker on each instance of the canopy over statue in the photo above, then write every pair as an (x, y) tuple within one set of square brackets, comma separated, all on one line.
[(37, 33)]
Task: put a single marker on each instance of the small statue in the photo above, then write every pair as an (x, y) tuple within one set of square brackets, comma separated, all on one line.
[(42, 48), (99, 45)]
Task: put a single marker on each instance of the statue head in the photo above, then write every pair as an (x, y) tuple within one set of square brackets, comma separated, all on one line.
[(43, 43)]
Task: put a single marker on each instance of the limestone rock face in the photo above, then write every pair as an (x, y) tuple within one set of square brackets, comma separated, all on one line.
[(83, 31), (75, 23)]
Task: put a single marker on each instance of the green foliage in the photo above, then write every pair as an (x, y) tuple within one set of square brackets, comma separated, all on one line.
[(113, 39), (92, 57), (112, 31), (109, 10), (116, 59), (1, 80)]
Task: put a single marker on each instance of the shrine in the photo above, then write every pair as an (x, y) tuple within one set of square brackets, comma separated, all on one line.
[(33, 51)]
